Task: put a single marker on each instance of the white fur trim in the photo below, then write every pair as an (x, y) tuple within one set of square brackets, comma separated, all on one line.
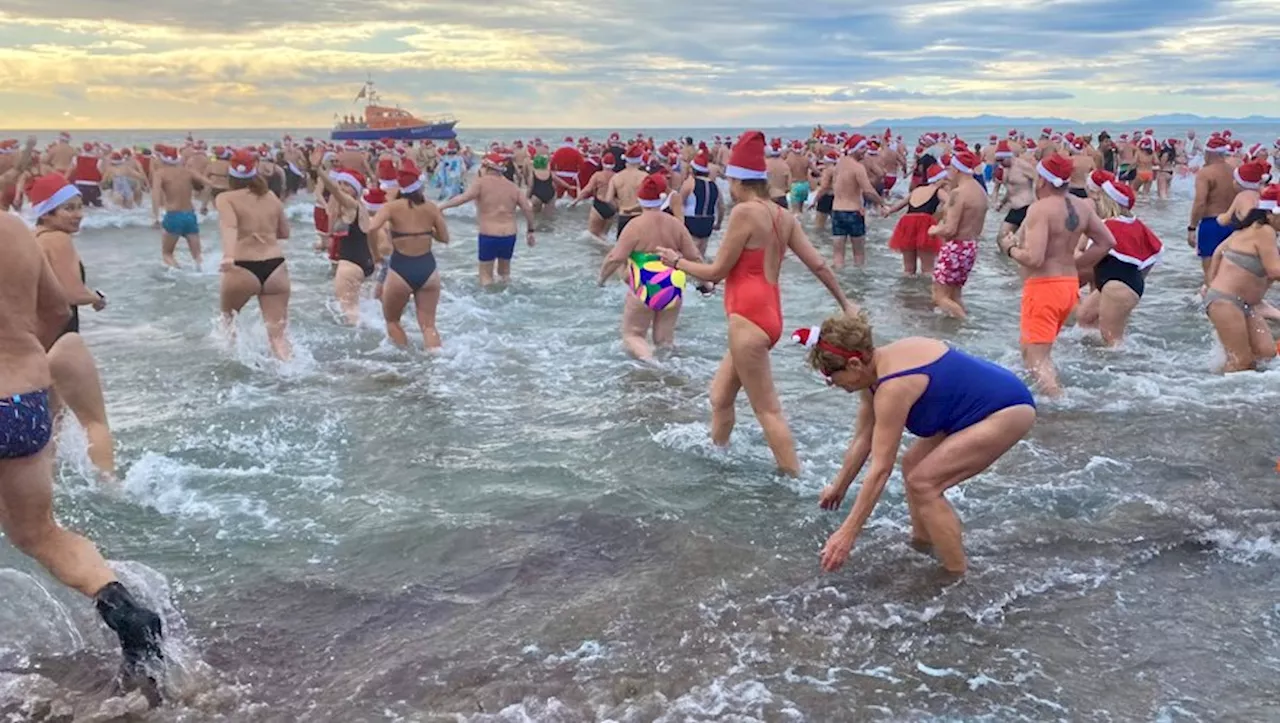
[(700, 169), (253, 171), (1046, 175), (1271, 206), (1245, 184), (956, 164), (653, 204), (50, 204), (1110, 189), (566, 174), (388, 185), (372, 207), (412, 187), (939, 177), (635, 161), (346, 178), (811, 341), (1004, 154), (745, 174)]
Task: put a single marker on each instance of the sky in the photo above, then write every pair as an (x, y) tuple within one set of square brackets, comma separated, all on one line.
[(115, 64)]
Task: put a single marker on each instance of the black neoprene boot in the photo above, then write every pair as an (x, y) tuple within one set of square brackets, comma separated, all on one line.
[(140, 631)]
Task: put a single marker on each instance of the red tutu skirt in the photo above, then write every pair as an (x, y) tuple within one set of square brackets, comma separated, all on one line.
[(911, 234)]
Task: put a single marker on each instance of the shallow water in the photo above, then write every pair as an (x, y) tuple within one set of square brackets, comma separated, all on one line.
[(529, 526)]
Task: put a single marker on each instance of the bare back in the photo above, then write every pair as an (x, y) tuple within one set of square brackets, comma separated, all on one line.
[(24, 279), (259, 223), (413, 229), (1215, 189), (178, 186), (768, 228), (1057, 221), (970, 202), (626, 189), (496, 202), (654, 230)]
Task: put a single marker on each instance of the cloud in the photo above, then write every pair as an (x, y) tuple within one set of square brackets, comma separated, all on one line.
[(580, 63)]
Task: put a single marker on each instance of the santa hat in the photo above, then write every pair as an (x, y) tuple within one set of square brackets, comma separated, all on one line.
[(1148, 143), (116, 157), (1003, 150), (1097, 178), (856, 142), (1256, 150), (1249, 176), (244, 165), (700, 162), (652, 193), (1013, 133), (608, 160), (374, 198), (1077, 145), (494, 161), (350, 143), (1217, 144), (387, 174), (775, 147), (1120, 192), (807, 338), (168, 154), (1056, 170), (1268, 200), (409, 178), (965, 162), (64, 136), (634, 154), (50, 191), (348, 176), (831, 157), (746, 161), (935, 173)]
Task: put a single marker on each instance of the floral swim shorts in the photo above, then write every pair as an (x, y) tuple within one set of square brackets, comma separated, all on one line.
[(955, 260)]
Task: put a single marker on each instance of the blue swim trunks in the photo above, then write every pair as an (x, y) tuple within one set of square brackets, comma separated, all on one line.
[(25, 424), (181, 223), (988, 172), (497, 247), (1210, 236), (848, 223)]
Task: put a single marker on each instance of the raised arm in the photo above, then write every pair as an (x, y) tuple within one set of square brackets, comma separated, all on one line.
[(892, 403), (339, 192)]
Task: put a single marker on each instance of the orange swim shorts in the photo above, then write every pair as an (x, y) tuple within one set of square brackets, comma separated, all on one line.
[(1046, 304)]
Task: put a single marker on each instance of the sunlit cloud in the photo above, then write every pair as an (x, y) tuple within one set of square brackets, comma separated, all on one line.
[(583, 63)]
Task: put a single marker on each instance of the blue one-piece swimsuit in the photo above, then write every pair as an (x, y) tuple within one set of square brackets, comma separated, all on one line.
[(963, 390)]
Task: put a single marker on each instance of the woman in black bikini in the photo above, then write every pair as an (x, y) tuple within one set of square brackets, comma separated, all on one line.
[(252, 222), (357, 251), (415, 224), (59, 210)]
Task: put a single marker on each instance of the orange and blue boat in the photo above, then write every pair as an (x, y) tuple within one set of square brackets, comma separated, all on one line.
[(381, 121)]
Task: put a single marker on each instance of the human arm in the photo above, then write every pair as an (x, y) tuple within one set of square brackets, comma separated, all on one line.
[(282, 224), (440, 227), (896, 207), (619, 253), (735, 239), (527, 207), (157, 199), (1030, 250), (338, 191), (892, 402), (1270, 257), (53, 310), (945, 228), (228, 230), (1102, 238), (855, 457), (472, 192), (65, 263), (380, 218)]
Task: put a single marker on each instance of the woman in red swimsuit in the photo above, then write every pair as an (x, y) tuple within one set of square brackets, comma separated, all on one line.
[(749, 259)]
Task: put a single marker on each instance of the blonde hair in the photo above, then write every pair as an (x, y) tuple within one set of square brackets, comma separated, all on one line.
[(851, 333), (1108, 208)]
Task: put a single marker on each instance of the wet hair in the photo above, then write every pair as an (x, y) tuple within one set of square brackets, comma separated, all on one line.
[(852, 333), (1255, 217), (415, 199), (256, 185)]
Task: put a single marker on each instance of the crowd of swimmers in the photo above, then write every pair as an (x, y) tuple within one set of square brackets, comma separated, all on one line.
[(1070, 229)]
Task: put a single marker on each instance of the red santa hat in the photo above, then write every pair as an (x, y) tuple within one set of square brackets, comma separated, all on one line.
[(168, 154), (387, 174), (50, 191), (1268, 200), (374, 198), (1097, 178), (409, 178), (746, 161), (634, 155), (653, 191), (608, 160), (1004, 150), (1120, 192), (811, 337), (857, 142), (243, 165), (1217, 144), (1249, 176), (1056, 170), (966, 162), (700, 162), (494, 161), (352, 178), (935, 173)]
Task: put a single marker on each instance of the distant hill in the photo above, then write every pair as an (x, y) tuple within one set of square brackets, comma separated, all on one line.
[(987, 121)]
